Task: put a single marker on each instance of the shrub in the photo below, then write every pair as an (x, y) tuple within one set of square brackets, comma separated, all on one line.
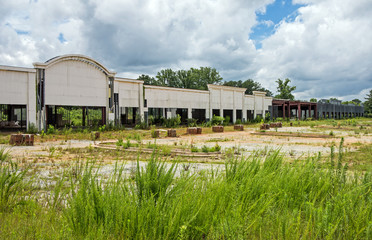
[(279, 119), (217, 120), (119, 143), (172, 122), (226, 121), (153, 132), (191, 122), (166, 150), (32, 129), (217, 148), (194, 149), (51, 129), (258, 119)]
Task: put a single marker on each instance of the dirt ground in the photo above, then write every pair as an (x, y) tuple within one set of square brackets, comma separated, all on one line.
[(294, 146), (245, 142)]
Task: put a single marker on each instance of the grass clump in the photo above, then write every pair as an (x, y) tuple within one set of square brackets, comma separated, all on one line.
[(253, 198), (12, 182)]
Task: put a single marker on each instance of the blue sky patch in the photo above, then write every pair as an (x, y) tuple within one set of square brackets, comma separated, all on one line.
[(21, 32), (61, 38), (275, 13)]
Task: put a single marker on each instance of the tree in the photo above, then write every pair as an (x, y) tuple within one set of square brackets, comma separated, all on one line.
[(168, 77), (147, 79), (313, 100), (250, 85), (356, 101), (204, 76), (193, 78), (285, 91), (368, 103)]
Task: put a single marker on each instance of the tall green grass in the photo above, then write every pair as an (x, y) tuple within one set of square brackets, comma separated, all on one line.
[(252, 198), (13, 188)]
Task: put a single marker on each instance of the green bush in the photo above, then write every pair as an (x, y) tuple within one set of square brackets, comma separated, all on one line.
[(32, 129), (51, 130), (172, 122), (217, 120), (191, 122), (226, 121)]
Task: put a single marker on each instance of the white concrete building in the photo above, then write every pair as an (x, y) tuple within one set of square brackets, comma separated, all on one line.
[(77, 88)]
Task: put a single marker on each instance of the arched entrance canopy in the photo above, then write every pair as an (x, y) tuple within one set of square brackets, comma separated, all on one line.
[(75, 57)]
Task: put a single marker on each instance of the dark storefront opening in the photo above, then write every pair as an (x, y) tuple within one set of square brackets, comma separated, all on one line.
[(216, 112), (250, 115), (13, 117), (199, 115), (72, 116), (227, 112), (128, 115), (183, 114), (239, 115), (156, 114)]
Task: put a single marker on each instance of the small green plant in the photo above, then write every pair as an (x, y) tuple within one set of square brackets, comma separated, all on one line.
[(119, 143), (191, 122), (166, 150), (194, 149), (205, 149), (226, 121), (172, 122), (102, 128), (331, 133), (154, 134), (217, 120), (32, 129), (51, 130)]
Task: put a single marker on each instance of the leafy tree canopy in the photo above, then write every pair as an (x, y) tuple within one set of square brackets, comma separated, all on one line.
[(313, 100), (284, 90), (250, 85), (368, 103), (194, 78), (147, 79)]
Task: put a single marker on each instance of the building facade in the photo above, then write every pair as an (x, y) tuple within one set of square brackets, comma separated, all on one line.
[(75, 90), (335, 109)]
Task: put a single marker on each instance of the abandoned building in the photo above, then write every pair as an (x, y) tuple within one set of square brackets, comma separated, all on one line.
[(76, 90), (323, 109), (335, 109), (282, 108)]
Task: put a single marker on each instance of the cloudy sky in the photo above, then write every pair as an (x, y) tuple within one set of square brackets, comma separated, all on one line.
[(323, 46)]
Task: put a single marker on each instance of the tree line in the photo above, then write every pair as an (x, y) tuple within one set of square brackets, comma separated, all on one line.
[(198, 78)]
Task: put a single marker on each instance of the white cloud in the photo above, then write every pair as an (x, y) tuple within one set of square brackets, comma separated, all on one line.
[(325, 51)]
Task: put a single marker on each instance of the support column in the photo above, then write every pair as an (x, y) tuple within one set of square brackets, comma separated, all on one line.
[(84, 114), (299, 111), (189, 113), (31, 102), (283, 111)]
